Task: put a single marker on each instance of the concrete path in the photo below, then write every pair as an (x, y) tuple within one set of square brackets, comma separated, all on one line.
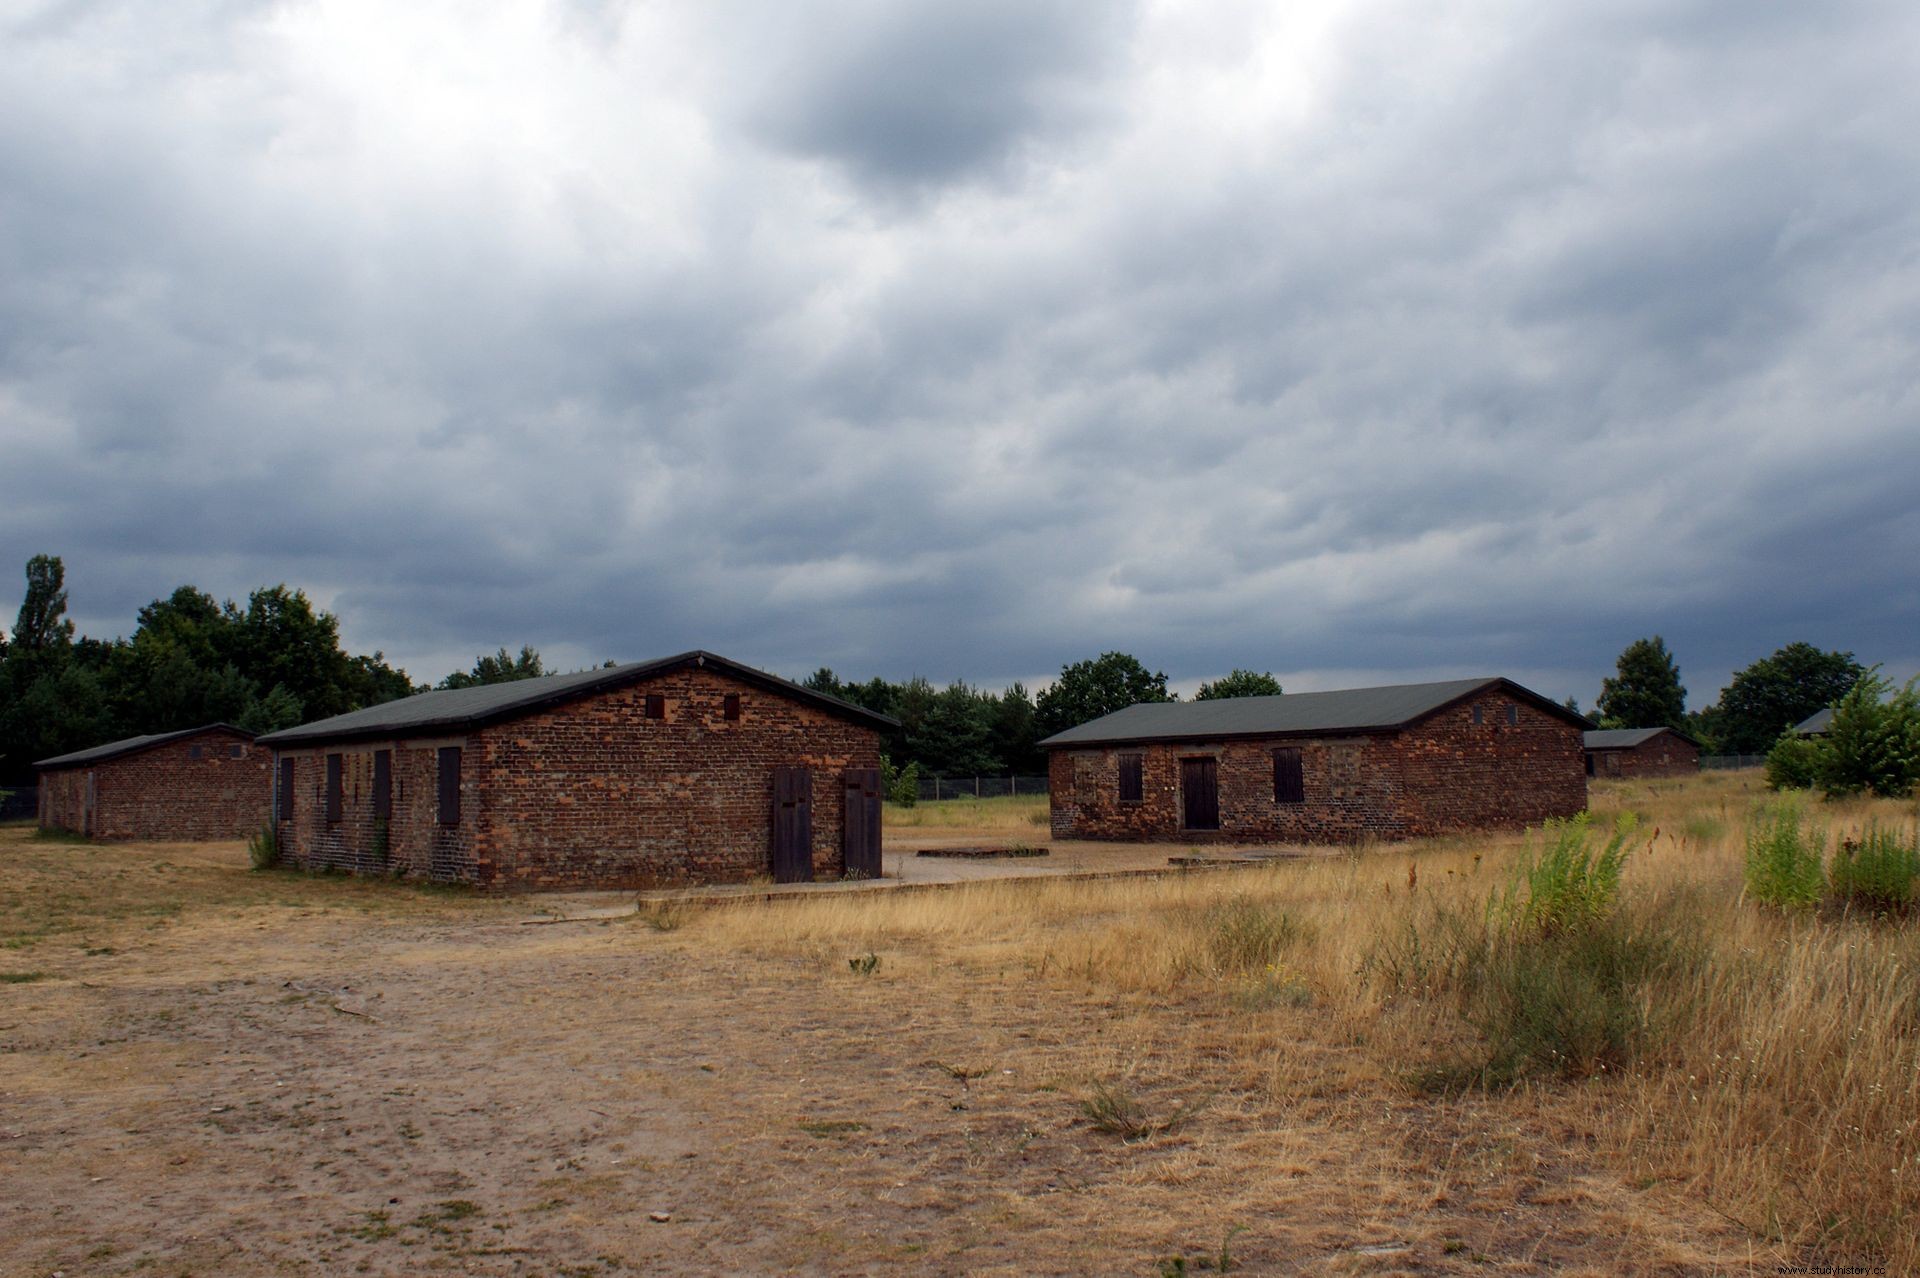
[(903, 869)]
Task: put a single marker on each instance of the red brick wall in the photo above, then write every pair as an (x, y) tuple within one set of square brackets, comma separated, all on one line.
[(164, 793), (1445, 773), (1459, 775), (1666, 755), (594, 794), (414, 843)]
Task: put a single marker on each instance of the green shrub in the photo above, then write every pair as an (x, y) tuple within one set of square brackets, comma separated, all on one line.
[(1573, 1002), (263, 849), (1783, 860), (1570, 885), (1795, 763), (1554, 973), (1873, 743), (899, 786), (1244, 935), (1875, 873)]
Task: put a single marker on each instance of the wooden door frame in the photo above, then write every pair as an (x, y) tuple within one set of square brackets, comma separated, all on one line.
[(1214, 760)]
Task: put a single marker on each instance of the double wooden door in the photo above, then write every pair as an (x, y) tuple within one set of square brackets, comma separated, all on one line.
[(793, 823)]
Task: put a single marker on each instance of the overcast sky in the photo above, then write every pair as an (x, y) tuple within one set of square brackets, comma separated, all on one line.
[(1359, 342)]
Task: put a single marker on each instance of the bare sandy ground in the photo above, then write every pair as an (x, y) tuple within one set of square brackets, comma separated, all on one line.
[(295, 1075)]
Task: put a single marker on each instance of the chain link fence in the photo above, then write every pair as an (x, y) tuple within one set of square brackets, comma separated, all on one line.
[(21, 804), (933, 788)]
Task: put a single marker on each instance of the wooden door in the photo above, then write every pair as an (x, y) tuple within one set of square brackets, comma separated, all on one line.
[(862, 816), (1200, 794), (792, 825)]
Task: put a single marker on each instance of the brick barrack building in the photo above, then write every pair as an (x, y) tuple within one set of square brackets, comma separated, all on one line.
[(193, 785), (690, 769), (1641, 752), (1321, 767)]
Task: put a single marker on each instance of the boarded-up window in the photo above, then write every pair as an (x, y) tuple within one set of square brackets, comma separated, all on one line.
[(656, 706), (335, 787), (449, 785), (286, 789), (1289, 778), (1132, 770), (730, 707), (382, 784)]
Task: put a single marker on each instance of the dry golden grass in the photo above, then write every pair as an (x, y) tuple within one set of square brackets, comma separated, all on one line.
[(1027, 1076), (1783, 1090)]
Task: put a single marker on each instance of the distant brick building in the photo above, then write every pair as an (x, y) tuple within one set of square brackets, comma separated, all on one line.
[(1641, 752), (691, 769), (1321, 767), (198, 784)]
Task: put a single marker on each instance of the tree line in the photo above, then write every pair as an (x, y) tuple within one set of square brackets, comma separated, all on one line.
[(273, 663), (276, 661), (1752, 712)]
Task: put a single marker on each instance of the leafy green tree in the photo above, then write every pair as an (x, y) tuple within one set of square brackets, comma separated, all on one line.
[(499, 668), (954, 738), (1015, 732), (1086, 690), (1873, 743), (371, 681), (280, 639), (823, 680), (1239, 683), (278, 709), (1778, 691), (60, 710), (1646, 691), (42, 626)]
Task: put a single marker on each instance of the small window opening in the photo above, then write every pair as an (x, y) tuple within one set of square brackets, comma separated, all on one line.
[(236, 752), (1132, 778), (195, 752), (656, 706), (730, 707), (1479, 714), (1513, 714), (1289, 778)]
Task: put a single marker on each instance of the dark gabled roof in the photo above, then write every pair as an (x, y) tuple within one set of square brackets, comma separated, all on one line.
[(1817, 724), (459, 709), (132, 745), (1291, 714), (1628, 738)]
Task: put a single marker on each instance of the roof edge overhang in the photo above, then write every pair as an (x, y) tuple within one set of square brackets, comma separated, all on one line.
[(70, 759), (1202, 738), (1519, 690), (617, 677)]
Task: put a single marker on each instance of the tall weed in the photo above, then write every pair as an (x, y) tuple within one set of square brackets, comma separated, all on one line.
[(1783, 860), (1570, 885), (1876, 872)]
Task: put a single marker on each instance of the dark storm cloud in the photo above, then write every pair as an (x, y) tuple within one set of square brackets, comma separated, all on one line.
[(904, 95), (1370, 342)]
